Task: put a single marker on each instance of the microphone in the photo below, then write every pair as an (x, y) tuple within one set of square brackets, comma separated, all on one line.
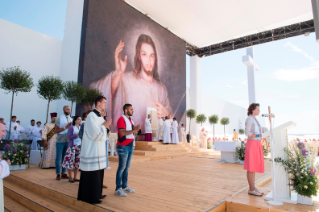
[(268, 115)]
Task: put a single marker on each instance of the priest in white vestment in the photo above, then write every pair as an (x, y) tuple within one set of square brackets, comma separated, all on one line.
[(182, 134), (29, 130), (4, 164), (167, 131), (20, 131), (160, 129), (140, 87), (148, 128), (175, 139), (93, 159), (203, 138), (14, 127), (37, 135)]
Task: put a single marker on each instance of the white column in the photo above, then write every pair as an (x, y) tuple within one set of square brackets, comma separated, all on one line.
[(249, 61), (315, 10), (195, 90), (71, 46)]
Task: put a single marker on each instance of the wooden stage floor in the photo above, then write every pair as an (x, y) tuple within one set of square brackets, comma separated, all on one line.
[(181, 184)]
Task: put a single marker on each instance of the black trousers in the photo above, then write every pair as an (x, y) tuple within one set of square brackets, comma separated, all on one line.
[(91, 186)]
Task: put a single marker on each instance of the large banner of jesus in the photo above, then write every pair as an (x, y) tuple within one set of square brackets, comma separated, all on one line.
[(131, 59)]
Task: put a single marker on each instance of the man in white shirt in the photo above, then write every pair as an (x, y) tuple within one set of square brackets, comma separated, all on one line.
[(20, 131), (14, 126), (4, 165), (29, 130), (148, 128), (37, 135)]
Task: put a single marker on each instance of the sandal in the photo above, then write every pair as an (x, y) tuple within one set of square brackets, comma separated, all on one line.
[(71, 181), (76, 180)]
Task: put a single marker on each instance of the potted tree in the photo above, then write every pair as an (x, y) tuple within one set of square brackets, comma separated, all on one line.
[(200, 119), (90, 96), (213, 119), (50, 88), (73, 92), (15, 80), (191, 113), (224, 121)]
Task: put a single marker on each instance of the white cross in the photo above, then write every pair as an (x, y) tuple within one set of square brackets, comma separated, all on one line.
[(249, 61)]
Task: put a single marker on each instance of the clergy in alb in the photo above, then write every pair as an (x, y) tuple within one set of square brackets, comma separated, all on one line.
[(160, 129), (29, 130), (14, 128), (49, 138), (93, 154), (167, 131), (37, 135), (203, 138), (174, 132), (148, 128), (141, 87), (182, 134)]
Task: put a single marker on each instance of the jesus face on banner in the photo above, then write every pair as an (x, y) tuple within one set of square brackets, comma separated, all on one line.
[(140, 87)]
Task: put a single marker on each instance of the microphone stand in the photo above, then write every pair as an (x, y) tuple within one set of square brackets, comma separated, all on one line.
[(272, 142)]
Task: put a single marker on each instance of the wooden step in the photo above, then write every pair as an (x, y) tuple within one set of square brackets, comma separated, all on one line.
[(139, 158), (43, 198), (12, 206), (32, 200)]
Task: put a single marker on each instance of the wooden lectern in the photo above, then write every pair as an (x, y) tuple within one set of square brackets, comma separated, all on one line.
[(279, 176)]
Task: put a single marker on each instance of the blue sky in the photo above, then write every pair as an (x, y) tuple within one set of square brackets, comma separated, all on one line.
[(288, 79)]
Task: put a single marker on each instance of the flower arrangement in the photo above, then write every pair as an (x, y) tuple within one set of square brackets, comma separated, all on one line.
[(301, 168), (265, 151), (17, 152), (240, 151)]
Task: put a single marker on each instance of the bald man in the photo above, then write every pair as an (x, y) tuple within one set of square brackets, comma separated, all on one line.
[(4, 164)]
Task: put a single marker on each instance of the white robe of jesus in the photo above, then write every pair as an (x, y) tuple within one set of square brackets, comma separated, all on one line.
[(175, 133), (134, 90), (182, 135), (148, 126), (167, 132)]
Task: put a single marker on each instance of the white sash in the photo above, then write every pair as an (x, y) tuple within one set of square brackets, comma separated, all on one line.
[(76, 141), (63, 122), (128, 127), (257, 129)]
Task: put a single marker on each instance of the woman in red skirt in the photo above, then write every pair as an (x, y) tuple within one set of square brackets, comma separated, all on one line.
[(254, 156)]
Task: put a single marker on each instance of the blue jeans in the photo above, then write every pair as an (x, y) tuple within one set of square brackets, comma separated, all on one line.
[(125, 155), (60, 153)]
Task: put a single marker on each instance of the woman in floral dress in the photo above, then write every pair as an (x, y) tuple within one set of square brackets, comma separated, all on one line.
[(72, 156)]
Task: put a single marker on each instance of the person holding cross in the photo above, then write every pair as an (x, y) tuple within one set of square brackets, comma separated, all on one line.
[(254, 155)]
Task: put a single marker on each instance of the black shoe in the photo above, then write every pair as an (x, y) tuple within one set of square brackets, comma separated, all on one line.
[(103, 196), (97, 202)]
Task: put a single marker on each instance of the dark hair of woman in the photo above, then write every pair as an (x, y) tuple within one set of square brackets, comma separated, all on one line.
[(252, 107), (74, 119)]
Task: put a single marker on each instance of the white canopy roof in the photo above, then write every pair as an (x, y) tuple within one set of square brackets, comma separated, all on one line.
[(205, 22)]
